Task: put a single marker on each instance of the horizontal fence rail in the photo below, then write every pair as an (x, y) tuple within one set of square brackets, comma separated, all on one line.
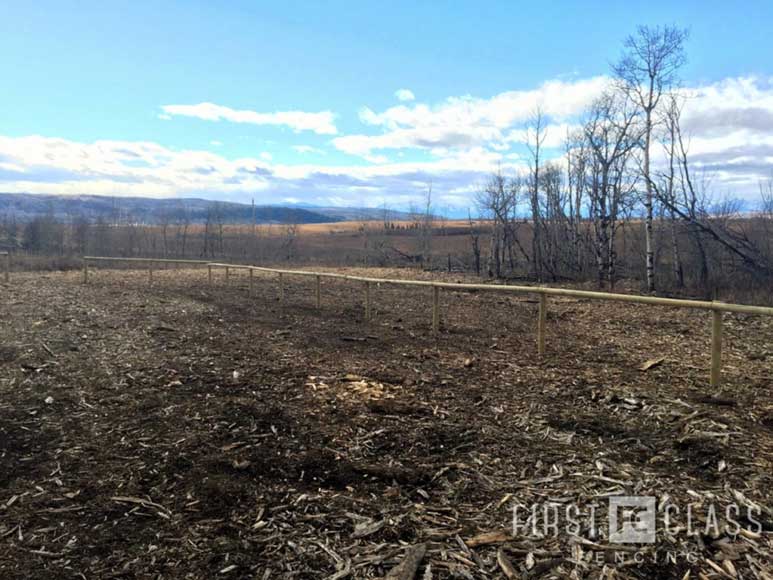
[(717, 308)]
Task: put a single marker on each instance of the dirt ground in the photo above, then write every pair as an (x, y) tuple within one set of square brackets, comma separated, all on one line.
[(190, 431)]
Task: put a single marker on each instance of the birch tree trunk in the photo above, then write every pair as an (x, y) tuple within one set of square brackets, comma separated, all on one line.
[(648, 202)]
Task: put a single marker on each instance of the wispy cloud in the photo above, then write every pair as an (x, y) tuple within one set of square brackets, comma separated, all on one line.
[(322, 123), (405, 95), (466, 121), (304, 149)]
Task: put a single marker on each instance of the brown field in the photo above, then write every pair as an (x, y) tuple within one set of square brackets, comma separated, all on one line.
[(354, 226), (346, 227), (188, 431)]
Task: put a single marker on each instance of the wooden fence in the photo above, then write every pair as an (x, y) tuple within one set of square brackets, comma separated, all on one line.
[(716, 308)]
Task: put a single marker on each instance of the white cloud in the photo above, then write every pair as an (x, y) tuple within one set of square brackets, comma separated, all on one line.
[(729, 125), (216, 143), (303, 149), (37, 164), (266, 156), (405, 95), (467, 121), (321, 123), (729, 129), (460, 141), (417, 137)]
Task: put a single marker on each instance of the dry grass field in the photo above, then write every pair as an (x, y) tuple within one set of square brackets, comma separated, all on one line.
[(343, 227), (182, 430)]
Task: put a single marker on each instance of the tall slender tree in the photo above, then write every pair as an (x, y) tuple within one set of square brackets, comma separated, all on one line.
[(649, 68), (536, 133)]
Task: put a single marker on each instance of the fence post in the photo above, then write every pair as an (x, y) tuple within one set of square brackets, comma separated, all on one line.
[(541, 322), (281, 288), (252, 282), (435, 309), (716, 347), (209, 274), (367, 301), (7, 267), (150, 273), (227, 275), (319, 294), (85, 271)]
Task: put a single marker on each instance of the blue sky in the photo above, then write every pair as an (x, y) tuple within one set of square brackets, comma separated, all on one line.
[(297, 100)]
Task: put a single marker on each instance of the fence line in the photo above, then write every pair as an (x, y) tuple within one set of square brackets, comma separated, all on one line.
[(717, 308)]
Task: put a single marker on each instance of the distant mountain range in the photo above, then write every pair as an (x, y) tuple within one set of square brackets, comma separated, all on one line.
[(27, 206)]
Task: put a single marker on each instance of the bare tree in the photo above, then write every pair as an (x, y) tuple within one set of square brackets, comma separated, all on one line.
[(649, 67), (766, 197), (366, 233), (80, 233), (219, 221), (536, 132), (209, 245), (183, 224), (556, 226), (496, 201), (766, 212), (164, 219), (289, 241), (668, 186), (474, 242), (578, 160), (612, 134), (425, 228), (721, 226)]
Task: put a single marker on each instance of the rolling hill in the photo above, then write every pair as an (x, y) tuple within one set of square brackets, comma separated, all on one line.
[(25, 206)]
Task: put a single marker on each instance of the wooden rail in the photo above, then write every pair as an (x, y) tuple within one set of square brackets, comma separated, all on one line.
[(717, 308)]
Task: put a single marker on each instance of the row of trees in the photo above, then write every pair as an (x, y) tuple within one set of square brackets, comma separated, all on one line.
[(77, 235), (574, 212)]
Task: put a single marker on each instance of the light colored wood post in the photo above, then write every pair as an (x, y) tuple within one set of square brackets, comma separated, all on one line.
[(85, 271), (7, 267), (435, 309), (209, 275), (227, 275), (319, 293), (281, 287), (716, 347), (367, 301), (541, 323), (252, 282), (150, 273)]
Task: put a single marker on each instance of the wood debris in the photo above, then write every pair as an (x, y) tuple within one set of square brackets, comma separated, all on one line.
[(197, 432)]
